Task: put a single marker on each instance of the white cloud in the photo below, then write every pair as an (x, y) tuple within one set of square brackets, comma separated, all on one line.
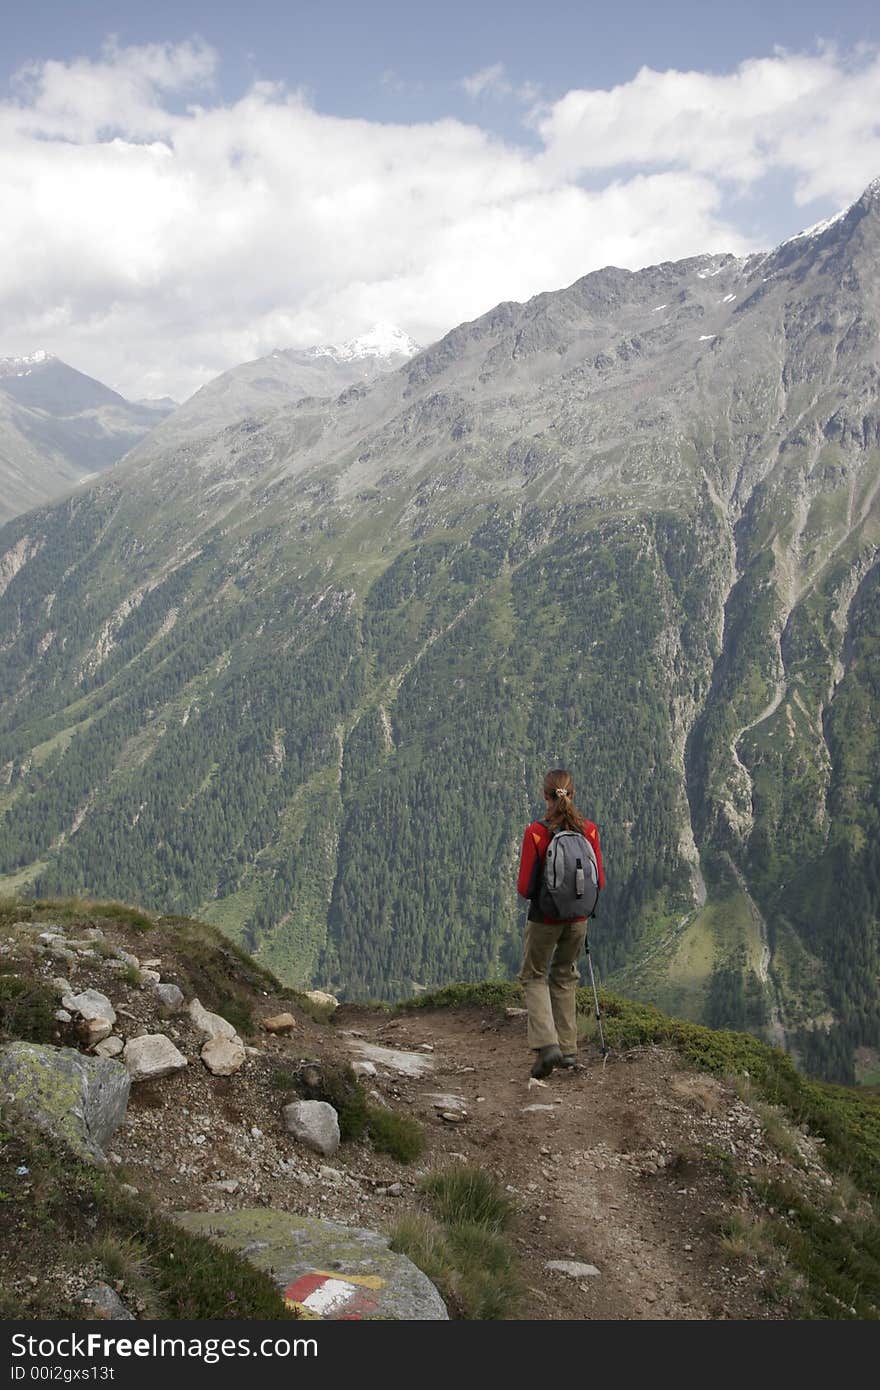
[(154, 235)]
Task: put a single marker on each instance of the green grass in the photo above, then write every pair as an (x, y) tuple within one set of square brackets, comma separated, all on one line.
[(469, 1196), (486, 994), (400, 1136), (462, 1245)]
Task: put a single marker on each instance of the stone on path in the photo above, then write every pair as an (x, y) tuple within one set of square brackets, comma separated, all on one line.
[(279, 1023), (314, 1123), (223, 1056), (331, 1271), (81, 1100), (212, 1024), (151, 1057), (572, 1268), (413, 1064)]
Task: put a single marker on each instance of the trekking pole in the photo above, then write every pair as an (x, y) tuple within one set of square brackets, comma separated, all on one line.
[(605, 1048)]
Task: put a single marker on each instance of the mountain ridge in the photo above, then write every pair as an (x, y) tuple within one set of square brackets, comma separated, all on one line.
[(242, 653)]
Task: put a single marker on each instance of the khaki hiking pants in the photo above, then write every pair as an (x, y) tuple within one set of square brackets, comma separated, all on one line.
[(551, 999)]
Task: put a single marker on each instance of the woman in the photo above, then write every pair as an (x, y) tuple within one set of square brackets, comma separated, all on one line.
[(549, 973)]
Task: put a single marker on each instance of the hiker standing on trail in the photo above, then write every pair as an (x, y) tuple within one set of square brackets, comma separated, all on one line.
[(562, 892)]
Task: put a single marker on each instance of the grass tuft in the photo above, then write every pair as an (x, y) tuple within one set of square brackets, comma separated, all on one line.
[(468, 1196)]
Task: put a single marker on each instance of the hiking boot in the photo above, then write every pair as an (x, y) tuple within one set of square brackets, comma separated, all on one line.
[(568, 1061), (546, 1058)]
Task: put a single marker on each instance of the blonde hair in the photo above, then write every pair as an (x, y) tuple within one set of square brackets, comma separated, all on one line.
[(559, 792)]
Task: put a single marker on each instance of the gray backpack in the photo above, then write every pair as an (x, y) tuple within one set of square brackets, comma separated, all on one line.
[(570, 881)]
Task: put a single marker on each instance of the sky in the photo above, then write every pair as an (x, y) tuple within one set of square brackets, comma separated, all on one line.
[(186, 186)]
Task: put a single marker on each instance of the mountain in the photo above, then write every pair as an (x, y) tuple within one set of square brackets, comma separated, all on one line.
[(304, 674), (58, 426), (288, 374)]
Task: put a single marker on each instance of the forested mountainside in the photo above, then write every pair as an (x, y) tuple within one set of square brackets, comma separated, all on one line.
[(302, 676), (58, 426)]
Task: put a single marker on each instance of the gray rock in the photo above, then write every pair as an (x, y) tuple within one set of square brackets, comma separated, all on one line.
[(170, 999), (320, 996), (151, 1057), (81, 1100), (361, 1277), (63, 1016), (61, 986), (223, 1056), (100, 1301), (363, 1068), (91, 1005), (212, 1024), (572, 1268), (110, 1047), (313, 1123), (150, 977)]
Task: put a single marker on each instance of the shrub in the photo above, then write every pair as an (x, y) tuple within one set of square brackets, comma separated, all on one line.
[(27, 1009)]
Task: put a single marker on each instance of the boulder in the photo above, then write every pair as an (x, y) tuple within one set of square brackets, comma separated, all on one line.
[(81, 1100), (279, 1023), (314, 1123), (329, 1271), (151, 1057), (212, 1024), (223, 1056), (319, 996), (110, 1047), (170, 999), (150, 977)]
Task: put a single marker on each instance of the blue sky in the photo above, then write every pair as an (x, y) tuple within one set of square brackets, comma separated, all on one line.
[(189, 185), (404, 61)]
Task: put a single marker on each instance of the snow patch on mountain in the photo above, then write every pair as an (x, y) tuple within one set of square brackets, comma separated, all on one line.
[(23, 366), (382, 340)]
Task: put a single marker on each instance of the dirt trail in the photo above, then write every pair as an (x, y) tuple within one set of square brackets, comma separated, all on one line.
[(622, 1167)]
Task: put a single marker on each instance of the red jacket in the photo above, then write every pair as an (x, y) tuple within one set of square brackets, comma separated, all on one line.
[(535, 841)]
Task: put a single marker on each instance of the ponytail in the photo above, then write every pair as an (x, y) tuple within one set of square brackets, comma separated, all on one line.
[(559, 792)]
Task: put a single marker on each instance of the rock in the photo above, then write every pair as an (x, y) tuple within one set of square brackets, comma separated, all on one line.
[(152, 964), (91, 1005), (151, 1057), (515, 1013), (413, 1064), (110, 1047), (572, 1268), (229, 1185), (453, 1117), (150, 977), (363, 1068), (81, 1100), (528, 1109), (61, 986), (332, 1271), (314, 1123), (94, 1030), (63, 1016), (100, 1301), (279, 1023), (223, 1056), (319, 996), (170, 999), (447, 1101), (212, 1024)]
